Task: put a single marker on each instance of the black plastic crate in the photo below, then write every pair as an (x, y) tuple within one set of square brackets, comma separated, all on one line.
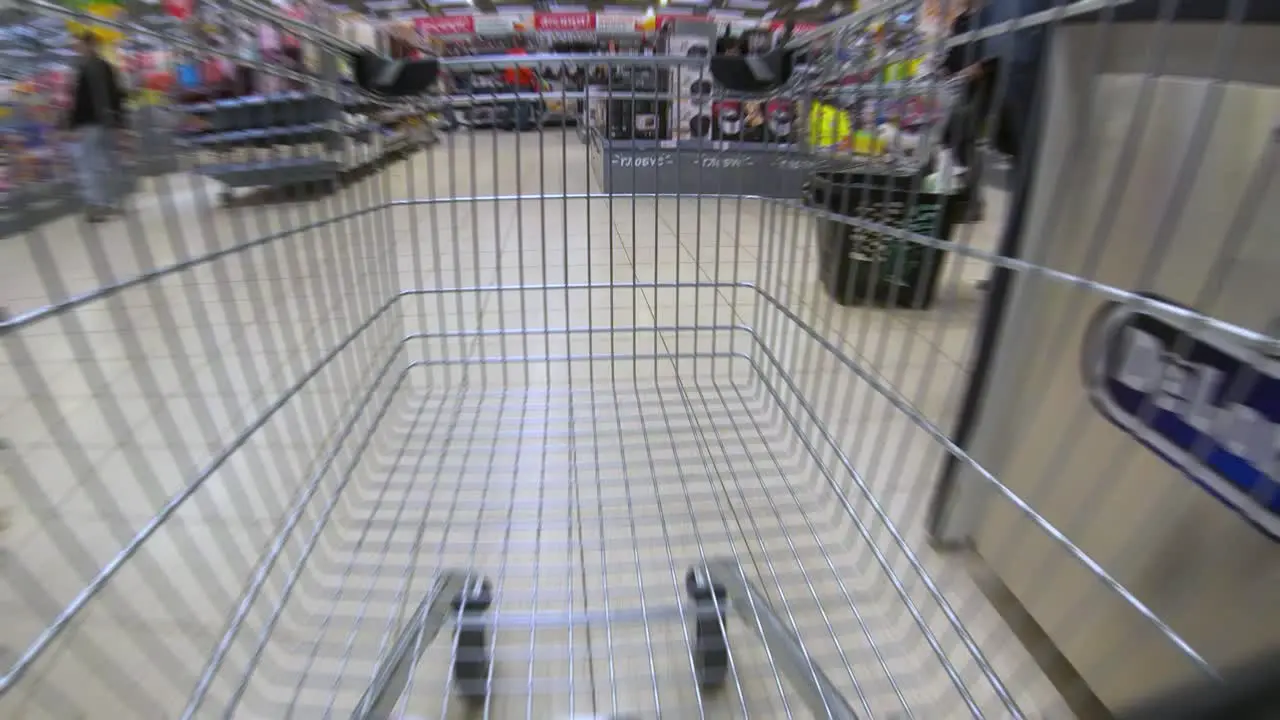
[(858, 265)]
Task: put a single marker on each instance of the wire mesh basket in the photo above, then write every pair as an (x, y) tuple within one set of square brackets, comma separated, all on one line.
[(469, 436)]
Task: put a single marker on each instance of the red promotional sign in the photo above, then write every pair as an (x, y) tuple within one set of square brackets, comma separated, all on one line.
[(457, 25), (684, 17), (180, 9), (564, 22), (798, 27)]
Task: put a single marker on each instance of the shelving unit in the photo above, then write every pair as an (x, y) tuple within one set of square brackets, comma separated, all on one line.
[(293, 139), (312, 138), (248, 138), (664, 153)]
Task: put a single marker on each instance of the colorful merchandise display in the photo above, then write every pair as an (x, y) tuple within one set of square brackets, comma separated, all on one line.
[(848, 119), (31, 151), (892, 53), (893, 104), (37, 179)]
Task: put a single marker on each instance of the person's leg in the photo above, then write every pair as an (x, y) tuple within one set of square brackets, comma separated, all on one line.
[(89, 168), (960, 138), (1012, 134), (974, 179), (109, 178)]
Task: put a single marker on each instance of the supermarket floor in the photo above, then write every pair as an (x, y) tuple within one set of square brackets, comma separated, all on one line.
[(580, 399)]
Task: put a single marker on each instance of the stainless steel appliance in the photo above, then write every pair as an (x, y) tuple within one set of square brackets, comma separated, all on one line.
[(1150, 444)]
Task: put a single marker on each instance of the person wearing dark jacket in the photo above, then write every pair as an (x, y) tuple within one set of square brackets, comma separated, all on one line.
[(96, 118), (977, 75), (1008, 61)]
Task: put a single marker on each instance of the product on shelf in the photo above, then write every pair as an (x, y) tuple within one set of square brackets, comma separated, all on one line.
[(641, 118), (728, 120), (780, 118), (694, 120), (33, 152)]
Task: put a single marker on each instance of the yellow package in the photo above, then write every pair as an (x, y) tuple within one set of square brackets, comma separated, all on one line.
[(829, 126), (867, 142), (905, 70)]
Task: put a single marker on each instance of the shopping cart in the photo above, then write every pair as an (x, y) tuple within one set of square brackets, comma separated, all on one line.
[(472, 437)]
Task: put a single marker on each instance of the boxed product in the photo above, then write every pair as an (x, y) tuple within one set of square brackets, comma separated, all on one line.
[(780, 121), (693, 121), (694, 84), (692, 116), (727, 119)]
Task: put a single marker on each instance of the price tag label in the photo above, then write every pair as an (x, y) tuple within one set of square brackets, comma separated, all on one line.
[(796, 163), (735, 161), (646, 160)]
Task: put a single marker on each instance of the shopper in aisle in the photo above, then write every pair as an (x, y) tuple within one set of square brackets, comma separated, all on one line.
[(977, 74), (1020, 54), (96, 119), (521, 78), (524, 114)]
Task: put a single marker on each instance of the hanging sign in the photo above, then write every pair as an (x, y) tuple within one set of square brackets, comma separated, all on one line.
[(616, 23), (180, 9), (564, 22), (457, 25), (495, 24)]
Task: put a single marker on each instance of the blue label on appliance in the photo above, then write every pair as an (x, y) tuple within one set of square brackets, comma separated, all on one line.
[(1197, 399)]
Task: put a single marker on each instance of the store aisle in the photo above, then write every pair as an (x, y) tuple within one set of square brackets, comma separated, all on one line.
[(609, 388)]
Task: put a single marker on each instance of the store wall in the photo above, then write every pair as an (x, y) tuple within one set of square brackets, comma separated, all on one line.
[(1129, 197)]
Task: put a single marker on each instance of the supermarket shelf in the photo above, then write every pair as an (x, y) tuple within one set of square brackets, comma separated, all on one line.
[(693, 145), (397, 142), (276, 172), (247, 102), (338, 144), (395, 116), (280, 135), (303, 134)]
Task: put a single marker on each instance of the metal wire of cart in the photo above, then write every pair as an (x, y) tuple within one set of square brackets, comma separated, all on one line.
[(432, 446)]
